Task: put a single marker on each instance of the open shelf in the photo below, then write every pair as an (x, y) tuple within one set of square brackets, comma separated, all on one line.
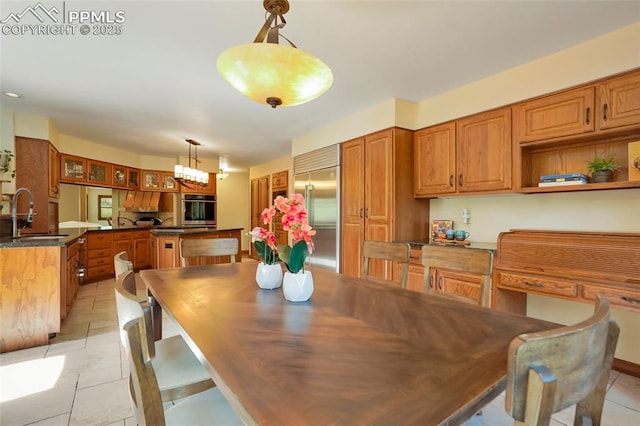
[(587, 187)]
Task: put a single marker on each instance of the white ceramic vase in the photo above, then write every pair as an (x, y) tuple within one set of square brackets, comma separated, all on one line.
[(297, 287), (269, 276)]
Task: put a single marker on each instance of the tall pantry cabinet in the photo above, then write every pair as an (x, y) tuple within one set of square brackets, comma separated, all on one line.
[(377, 198)]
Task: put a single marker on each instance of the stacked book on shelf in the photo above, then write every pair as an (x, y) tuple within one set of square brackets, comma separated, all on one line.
[(563, 179)]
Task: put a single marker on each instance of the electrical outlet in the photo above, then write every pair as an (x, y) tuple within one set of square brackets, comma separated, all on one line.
[(465, 216)]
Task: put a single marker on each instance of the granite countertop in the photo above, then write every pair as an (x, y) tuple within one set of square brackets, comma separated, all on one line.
[(66, 236)]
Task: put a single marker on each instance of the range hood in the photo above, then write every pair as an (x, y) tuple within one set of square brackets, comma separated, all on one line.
[(147, 201)]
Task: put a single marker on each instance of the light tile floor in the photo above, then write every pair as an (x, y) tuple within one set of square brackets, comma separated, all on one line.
[(80, 378)]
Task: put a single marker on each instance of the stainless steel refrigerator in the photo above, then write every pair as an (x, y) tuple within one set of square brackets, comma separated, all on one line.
[(320, 188)]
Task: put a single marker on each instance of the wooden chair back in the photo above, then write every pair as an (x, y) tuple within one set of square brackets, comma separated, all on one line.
[(459, 259), (191, 249), (384, 250), (552, 370), (121, 263), (129, 307), (143, 383)]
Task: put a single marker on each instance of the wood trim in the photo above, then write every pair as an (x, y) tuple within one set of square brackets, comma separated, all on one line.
[(626, 367)]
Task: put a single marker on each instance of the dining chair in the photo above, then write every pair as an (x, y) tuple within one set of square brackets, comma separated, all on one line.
[(121, 263), (384, 250), (461, 260), (178, 371), (208, 407), (207, 247), (551, 370)]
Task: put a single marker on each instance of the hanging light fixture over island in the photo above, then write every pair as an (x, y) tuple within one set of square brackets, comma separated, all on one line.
[(274, 73), (188, 174)]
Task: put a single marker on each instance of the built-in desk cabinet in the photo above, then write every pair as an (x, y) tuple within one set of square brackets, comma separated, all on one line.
[(567, 265), (165, 249)]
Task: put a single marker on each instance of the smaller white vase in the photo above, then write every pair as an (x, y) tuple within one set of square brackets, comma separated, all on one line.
[(297, 287), (269, 276)]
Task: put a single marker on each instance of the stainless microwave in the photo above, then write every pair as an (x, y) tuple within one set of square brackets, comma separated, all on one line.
[(199, 209)]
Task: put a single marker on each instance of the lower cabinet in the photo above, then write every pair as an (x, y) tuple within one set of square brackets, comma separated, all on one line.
[(70, 281), (99, 256), (166, 249), (141, 249)]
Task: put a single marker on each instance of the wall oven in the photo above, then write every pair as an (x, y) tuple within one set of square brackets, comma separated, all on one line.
[(199, 209)]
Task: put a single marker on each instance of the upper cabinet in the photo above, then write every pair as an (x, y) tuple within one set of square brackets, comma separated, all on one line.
[(470, 155), (562, 132), (133, 178), (73, 169), (280, 181), (483, 152), (99, 172), (118, 176), (619, 101), (54, 172), (565, 114)]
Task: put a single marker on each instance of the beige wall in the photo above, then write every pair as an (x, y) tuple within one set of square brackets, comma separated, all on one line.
[(617, 210), (233, 195)]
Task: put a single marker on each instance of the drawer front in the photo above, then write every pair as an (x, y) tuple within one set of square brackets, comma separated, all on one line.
[(73, 250), (617, 296), (538, 284), (122, 236), (100, 261), (100, 271), (141, 234), (105, 252), (101, 240)]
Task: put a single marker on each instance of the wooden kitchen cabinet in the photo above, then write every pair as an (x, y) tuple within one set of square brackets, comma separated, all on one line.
[(483, 152), (133, 178), (435, 160), (614, 121), (168, 182), (141, 249), (73, 169), (99, 256), (123, 241), (151, 180), (99, 173), (54, 172), (568, 265), (619, 101), (377, 198), (71, 280), (456, 283), (260, 200), (470, 155), (36, 170), (118, 176), (280, 181), (564, 114)]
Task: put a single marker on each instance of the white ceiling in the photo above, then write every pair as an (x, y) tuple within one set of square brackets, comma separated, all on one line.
[(156, 84)]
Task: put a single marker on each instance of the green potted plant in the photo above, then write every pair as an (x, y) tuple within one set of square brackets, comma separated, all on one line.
[(5, 163), (601, 168)]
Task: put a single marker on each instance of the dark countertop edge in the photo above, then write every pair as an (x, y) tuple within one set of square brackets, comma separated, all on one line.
[(71, 234)]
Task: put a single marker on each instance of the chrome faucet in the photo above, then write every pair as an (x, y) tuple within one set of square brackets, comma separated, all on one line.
[(14, 214)]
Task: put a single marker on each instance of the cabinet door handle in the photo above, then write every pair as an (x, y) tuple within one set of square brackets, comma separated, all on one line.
[(534, 284), (430, 282), (440, 283), (587, 114), (460, 179), (361, 210), (366, 213), (605, 107), (451, 181), (630, 299)]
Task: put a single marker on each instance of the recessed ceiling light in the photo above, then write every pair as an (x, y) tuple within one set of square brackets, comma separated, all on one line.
[(12, 95)]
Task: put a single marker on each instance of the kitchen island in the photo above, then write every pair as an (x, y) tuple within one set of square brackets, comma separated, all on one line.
[(42, 273)]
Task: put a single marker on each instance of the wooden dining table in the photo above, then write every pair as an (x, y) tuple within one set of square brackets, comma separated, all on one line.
[(356, 353)]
